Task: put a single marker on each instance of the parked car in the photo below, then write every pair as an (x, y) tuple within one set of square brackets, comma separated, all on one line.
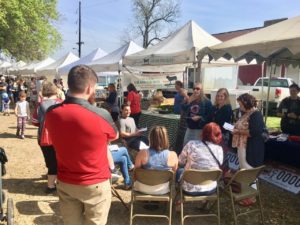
[(279, 89)]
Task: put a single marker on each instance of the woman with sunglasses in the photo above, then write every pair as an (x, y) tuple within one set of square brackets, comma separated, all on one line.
[(197, 108)]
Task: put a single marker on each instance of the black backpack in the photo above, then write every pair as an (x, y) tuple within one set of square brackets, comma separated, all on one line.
[(3, 160)]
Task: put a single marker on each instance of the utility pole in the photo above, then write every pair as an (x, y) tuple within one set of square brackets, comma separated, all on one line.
[(79, 31)]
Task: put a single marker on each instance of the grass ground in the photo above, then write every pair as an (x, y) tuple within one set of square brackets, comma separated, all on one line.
[(273, 122)]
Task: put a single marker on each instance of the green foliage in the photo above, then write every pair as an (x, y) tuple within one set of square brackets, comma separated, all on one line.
[(26, 28)]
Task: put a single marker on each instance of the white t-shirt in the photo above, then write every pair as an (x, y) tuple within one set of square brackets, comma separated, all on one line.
[(22, 108)]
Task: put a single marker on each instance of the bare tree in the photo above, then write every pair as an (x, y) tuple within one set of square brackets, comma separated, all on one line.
[(152, 17)]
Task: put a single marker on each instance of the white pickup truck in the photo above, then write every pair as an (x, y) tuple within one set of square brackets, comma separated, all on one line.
[(279, 89)]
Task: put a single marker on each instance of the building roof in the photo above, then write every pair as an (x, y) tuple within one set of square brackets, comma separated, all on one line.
[(224, 36)]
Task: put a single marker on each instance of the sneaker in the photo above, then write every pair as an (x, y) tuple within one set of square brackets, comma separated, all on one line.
[(131, 168), (115, 176), (22, 136), (50, 190), (18, 133)]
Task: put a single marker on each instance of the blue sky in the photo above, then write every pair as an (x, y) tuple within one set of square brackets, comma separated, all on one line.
[(103, 21)]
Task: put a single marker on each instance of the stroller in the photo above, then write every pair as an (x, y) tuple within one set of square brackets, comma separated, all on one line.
[(9, 215)]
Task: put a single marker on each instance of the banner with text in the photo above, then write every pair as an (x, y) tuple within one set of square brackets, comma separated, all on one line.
[(151, 81)]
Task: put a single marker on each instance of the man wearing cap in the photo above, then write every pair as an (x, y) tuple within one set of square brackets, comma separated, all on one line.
[(80, 133)]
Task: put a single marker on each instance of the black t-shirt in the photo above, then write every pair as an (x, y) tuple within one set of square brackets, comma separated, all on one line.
[(289, 125)]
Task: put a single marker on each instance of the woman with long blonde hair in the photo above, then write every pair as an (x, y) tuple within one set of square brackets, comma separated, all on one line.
[(222, 112)]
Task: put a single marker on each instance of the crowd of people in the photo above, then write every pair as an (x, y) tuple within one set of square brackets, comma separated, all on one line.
[(75, 137)]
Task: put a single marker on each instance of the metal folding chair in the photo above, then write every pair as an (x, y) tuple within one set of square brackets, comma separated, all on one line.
[(200, 177), (152, 177), (246, 177)]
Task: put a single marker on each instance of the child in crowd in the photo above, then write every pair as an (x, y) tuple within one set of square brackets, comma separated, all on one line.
[(23, 113), (5, 104)]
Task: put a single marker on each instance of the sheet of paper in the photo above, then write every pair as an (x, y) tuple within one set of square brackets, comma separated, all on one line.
[(143, 146), (143, 129), (113, 147), (228, 126)]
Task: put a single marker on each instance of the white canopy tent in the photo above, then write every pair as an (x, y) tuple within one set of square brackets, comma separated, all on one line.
[(4, 66), (14, 69), (52, 69), (33, 67), (94, 55), (276, 44), (113, 61), (177, 50)]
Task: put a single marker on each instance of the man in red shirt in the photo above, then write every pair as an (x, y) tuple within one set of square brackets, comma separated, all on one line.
[(80, 133)]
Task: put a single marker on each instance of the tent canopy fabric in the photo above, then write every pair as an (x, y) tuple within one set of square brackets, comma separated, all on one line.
[(279, 42), (5, 64), (33, 67), (113, 60), (180, 48), (14, 69), (52, 69), (94, 55)]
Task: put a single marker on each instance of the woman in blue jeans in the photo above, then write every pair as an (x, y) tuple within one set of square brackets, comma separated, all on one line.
[(122, 158)]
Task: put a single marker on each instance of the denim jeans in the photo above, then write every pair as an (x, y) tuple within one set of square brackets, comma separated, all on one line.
[(122, 158)]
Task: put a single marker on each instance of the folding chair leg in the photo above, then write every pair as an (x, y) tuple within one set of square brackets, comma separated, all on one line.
[(116, 194), (170, 212), (181, 208), (233, 208), (131, 210), (261, 210), (218, 207)]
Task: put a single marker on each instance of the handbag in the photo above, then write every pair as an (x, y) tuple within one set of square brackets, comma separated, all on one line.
[(34, 118), (45, 137), (236, 187)]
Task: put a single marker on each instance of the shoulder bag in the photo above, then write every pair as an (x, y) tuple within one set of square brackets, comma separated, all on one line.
[(236, 187)]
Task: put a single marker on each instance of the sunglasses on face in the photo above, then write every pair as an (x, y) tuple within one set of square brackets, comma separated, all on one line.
[(196, 88)]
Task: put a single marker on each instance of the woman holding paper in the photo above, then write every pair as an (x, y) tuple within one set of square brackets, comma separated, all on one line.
[(247, 134), (222, 112)]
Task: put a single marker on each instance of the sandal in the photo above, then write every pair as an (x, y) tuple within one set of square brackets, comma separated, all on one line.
[(247, 202)]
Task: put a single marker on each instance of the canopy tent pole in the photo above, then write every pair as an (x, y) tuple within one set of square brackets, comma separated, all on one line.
[(194, 80), (262, 86), (269, 85), (120, 89)]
